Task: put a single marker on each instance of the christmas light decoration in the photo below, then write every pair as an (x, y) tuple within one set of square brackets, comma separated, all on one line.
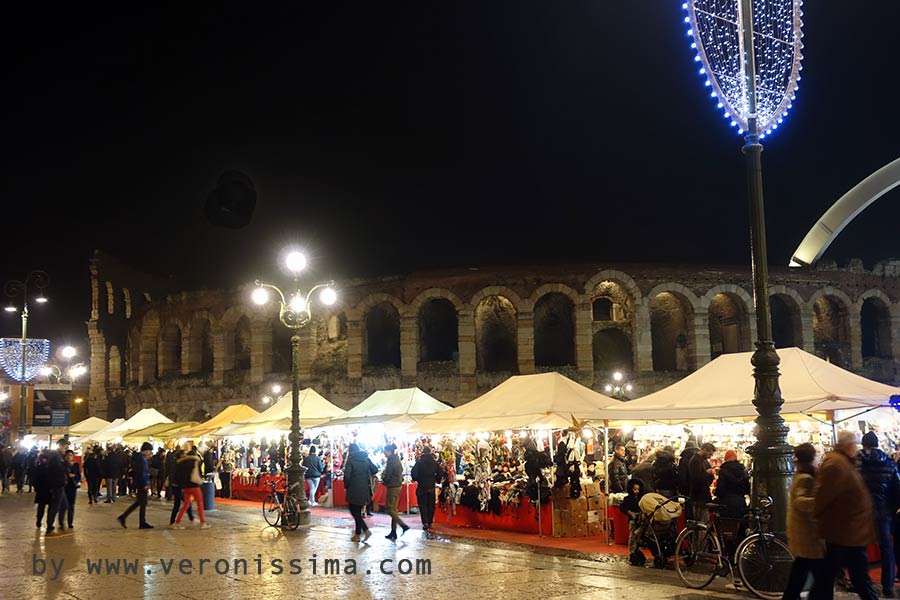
[(36, 354), (716, 28)]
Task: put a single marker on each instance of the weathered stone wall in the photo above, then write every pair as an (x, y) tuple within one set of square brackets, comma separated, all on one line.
[(456, 331)]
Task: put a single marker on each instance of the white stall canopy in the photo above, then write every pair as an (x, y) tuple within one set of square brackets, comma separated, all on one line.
[(395, 409), (143, 418), (314, 410), (88, 426), (542, 401)]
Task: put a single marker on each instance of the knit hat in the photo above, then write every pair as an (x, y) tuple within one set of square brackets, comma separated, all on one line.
[(870, 440), (730, 455), (146, 446)]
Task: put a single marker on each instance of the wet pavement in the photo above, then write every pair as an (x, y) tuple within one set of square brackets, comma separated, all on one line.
[(241, 557)]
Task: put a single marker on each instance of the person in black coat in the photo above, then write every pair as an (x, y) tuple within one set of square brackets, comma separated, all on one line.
[(358, 468), (73, 482), (684, 478), (38, 480), (618, 471), (427, 474), (112, 471), (665, 472), (56, 481), (701, 475), (93, 474), (732, 486), (883, 482)]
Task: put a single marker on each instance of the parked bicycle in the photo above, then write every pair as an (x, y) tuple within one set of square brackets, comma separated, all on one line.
[(763, 561), (281, 509)]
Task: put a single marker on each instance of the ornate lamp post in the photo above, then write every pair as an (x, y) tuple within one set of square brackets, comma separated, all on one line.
[(31, 355), (295, 313), (617, 388), (749, 53)]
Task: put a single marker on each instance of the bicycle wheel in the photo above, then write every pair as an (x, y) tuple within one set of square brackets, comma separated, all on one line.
[(696, 557), (764, 565), (271, 511), (291, 513)]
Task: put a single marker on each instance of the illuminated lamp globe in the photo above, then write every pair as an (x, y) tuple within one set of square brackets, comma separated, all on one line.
[(295, 261), (328, 296), (608, 388), (260, 296), (298, 303), (10, 308), (69, 352), (45, 371), (41, 299), (276, 389), (617, 376), (79, 400)]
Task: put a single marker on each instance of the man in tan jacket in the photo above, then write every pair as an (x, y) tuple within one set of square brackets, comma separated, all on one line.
[(844, 512)]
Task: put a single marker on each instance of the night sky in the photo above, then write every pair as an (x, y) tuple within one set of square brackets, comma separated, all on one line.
[(388, 137)]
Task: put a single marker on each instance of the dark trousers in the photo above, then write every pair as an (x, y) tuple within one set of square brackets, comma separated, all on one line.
[(887, 554), (176, 505), (225, 478), (897, 546), (70, 505), (41, 508), (160, 480), (57, 506), (93, 488), (857, 563), (20, 478), (356, 511), (426, 500), (139, 502), (800, 570)]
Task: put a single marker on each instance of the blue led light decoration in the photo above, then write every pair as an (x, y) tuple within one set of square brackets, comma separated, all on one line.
[(716, 29), (36, 354)]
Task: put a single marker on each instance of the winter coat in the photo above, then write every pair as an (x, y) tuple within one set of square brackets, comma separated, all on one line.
[(802, 529), (140, 470), (732, 486), (112, 466), (357, 471), (92, 467), (882, 480), (644, 472), (392, 476), (684, 479), (631, 504), (665, 475), (843, 505), (699, 479), (184, 466), (56, 470), (535, 461), (314, 466), (170, 465), (73, 483), (618, 475), (39, 481), (426, 472)]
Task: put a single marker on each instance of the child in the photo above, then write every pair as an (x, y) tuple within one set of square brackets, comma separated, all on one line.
[(631, 507)]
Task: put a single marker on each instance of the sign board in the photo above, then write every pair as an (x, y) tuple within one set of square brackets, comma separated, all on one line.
[(59, 418)]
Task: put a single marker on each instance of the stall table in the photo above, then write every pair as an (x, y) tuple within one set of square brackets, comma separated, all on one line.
[(339, 494), (256, 491), (523, 519)]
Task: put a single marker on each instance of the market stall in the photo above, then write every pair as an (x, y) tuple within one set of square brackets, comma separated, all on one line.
[(87, 427), (93, 436), (141, 419), (159, 432), (229, 415)]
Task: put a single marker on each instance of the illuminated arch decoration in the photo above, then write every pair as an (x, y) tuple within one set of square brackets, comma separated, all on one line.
[(716, 29), (843, 211), (36, 354)]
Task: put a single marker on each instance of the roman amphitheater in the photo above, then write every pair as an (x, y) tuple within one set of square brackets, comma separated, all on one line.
[(457, 333)]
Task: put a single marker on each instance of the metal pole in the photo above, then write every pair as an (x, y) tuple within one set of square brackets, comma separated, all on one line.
[(295, 470), (606, 479), (23, 413), (772, 465)]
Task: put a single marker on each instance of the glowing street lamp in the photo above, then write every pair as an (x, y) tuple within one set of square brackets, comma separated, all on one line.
[(295, 312), (618, 387)]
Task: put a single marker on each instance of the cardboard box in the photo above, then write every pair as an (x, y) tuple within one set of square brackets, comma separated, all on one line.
[(562, 492), (591, 489), (594, 516), (562, 503), (595, 528), (579, 531), (595, 503), (579, 505)]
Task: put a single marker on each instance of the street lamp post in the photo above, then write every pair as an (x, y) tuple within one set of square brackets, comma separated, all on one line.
[(618, 387), (295, 314), (39, 280)]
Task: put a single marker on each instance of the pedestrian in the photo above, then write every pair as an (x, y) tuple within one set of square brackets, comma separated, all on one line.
[(56, 482), (732, 487), (804, 540), (140, 472), (112, 470), (187, 476), (227, 462), (665, 472), (357, 470), (92, 474), (644, 472), (328, 474), (156, 465), (39, 482), (392, 478), (843, 509), (631, 507), (314, 469), (174, 490), (19, 466), (6, 459), (73, 482), (171, 457), (427, 474), (618, 471), (701, 476), (883, 482), (34, 459)]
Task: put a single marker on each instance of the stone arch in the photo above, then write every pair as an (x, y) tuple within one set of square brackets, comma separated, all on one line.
[(496, 333), (728, 309), (126, 297), (786, 308), (432, 294), (672, 308), (170, 347), (110, 299), (875, 325), (623, 279), (225, 328), (381, 343), (148, 368), (496, 290), (199, 336), (612, 351), (554, 326), (114, 367), (831, 325), (359, 311), (240, 337), (438, 320)]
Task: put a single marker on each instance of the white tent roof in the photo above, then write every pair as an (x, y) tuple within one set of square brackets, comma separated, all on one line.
[(228, 415), (396, 409), (87, 426), (141, 419), (545, 400), (724, 388), (95, 436), (314, 410)]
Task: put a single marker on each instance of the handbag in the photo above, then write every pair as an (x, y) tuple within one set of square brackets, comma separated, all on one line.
[(217, 482), (195, 475)]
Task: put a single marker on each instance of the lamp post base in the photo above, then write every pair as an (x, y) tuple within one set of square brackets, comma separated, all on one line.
[(304, 517)]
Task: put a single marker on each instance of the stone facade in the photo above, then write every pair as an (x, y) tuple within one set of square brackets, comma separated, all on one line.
[(457, 333)]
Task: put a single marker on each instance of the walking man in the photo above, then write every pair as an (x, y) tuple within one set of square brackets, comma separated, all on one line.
[(57, 475), (392, 478), (427, 473), (883, 481), (141, 475), (846, 520)]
